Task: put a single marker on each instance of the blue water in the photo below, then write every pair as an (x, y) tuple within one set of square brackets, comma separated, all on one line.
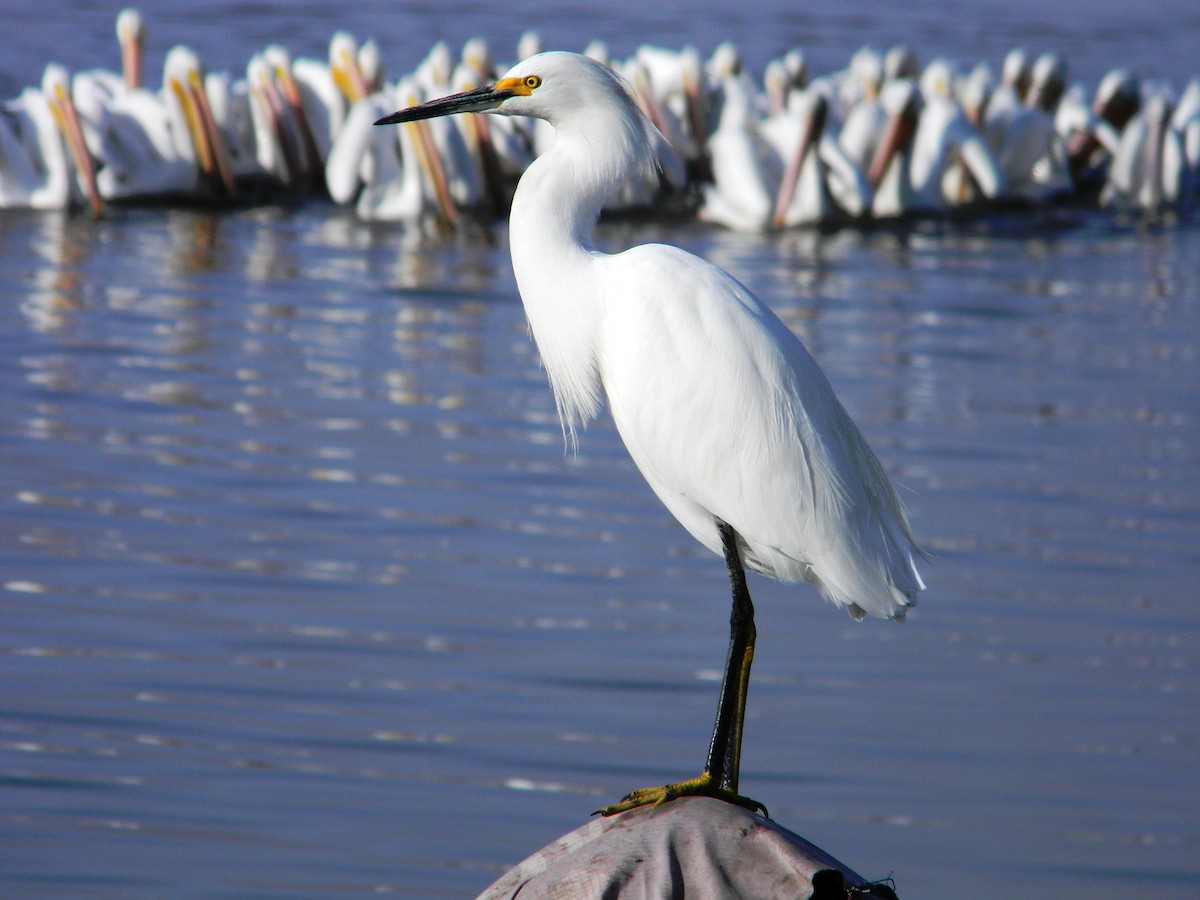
[(302, 596)]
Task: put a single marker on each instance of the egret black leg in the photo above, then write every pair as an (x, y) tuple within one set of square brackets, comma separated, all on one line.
[(720, 776), (725, 751)]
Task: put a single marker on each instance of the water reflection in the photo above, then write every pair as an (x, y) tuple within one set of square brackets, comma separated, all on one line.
[(194, 241), (60, 241), (289, 515)]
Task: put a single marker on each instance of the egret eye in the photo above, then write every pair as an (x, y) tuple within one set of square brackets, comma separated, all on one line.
[(532, 81)]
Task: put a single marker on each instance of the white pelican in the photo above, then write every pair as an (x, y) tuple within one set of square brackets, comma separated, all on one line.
[(476, 55), (1014, 78), (159, 144), (782, 77), (324, 89), (498, 152), (370, 66), (856, 92), (44, 160), (796, 66), (434, 71), (388, 176), (196, 137), (746, 170), (1029, 151), (775, 86), (674, 140), (901, 62), (131, 36), (820, 182), (598, 50), (721, 407), (1093, 133), (242, 132), (860, 81), (674, 86), (283, 146), (1149, 169), (131, 39), (923, 142), (309, 165), (529, 44), (1047, 82), (1186, 121)]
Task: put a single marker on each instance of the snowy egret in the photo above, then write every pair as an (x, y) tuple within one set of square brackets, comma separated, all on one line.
[(723, 410)]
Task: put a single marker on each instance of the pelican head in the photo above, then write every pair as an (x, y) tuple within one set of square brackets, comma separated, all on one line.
[(937, 80), (901, 62), (56, 88), (477, 56), (1118, 97), (131, 35), (1015, 71), (183, 76), (343, 67), (1048, 81), (901, 100)]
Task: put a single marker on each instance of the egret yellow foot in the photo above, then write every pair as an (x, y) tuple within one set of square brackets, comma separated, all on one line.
[(703, 786)]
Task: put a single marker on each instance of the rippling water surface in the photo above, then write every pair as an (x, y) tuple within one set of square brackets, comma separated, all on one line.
[(302, 596)]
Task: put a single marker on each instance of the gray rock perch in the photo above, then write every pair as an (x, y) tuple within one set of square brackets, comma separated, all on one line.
[(693, 847)]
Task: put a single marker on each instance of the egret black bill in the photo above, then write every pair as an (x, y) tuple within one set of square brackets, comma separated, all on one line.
[(479, 100)]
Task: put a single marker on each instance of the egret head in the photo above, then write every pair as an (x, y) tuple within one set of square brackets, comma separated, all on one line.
[(550, 85), (587, 103)]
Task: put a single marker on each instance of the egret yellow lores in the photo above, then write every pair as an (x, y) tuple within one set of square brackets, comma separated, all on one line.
[(723, 410)]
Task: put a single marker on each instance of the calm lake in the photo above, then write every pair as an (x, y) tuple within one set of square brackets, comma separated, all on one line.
[(302, 594)]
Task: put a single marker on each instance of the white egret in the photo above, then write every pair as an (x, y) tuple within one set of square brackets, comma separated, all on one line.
[(723, 410)]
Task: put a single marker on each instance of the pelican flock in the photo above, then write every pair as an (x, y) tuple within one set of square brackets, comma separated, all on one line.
[(885, 137)]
